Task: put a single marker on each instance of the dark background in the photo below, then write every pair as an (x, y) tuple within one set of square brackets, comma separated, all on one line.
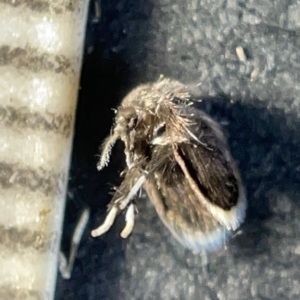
[(194, 41)]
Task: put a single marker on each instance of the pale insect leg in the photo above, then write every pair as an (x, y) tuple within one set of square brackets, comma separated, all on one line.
[(124, 202), (129, 218), (118, 205), (108, 222)]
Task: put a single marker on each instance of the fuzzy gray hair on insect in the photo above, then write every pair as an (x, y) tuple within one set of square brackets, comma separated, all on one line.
[(180, 157)]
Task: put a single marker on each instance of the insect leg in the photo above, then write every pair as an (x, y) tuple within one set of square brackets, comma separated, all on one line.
[(108, 222), (124, 202), (129, 218), (118, 205)]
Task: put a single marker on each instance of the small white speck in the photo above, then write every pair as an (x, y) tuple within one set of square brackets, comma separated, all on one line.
[(297, 250), (240, 53), (13, 177), (254, 74)]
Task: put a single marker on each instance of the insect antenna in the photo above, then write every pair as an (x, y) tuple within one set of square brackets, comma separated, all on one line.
[(106, 150)]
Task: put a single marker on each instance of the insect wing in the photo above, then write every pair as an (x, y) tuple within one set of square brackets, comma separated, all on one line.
[(197, 225), (181, 212)]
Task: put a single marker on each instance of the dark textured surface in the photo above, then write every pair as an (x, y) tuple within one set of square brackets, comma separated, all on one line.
[(194, 42)]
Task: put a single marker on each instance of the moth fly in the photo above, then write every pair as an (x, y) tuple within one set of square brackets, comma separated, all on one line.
[(180, 157)]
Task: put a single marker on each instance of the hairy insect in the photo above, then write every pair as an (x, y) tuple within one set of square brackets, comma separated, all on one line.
[(180, 157)]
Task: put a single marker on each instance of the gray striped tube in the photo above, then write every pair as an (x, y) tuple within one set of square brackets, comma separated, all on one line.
[(41, 45)]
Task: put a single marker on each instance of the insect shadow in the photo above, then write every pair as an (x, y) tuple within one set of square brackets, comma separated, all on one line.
[(265, 142), (94, 266)]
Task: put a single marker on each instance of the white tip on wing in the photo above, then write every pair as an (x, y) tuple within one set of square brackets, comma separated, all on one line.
[(198, 241)]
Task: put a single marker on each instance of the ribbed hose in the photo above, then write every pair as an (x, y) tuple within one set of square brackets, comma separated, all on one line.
[(41, 45)]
